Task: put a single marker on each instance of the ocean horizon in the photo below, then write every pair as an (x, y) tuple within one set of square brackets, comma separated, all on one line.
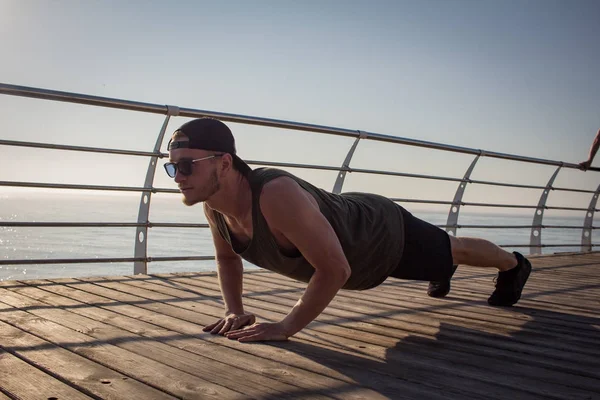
[(98, 242)]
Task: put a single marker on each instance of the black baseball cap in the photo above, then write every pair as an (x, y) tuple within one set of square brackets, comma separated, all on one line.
[(212, 135)]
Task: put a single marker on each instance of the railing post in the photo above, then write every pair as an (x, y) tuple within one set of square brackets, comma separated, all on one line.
[(586, 235), (452, 223), (141, 234), (339, 182), (535, 239)]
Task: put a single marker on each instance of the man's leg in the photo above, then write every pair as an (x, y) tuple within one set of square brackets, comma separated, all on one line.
[(514, 269), (481, 253), (431, 254)]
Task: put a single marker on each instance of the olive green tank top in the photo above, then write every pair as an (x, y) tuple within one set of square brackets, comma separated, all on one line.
[(369, 227)]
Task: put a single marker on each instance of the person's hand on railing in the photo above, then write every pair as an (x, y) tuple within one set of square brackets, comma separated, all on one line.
[(585, 165), (230, 323)]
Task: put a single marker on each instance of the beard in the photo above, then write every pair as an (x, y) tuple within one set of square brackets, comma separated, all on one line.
[(211, 188)]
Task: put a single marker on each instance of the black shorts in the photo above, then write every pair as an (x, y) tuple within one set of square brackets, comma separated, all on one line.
[(427, 254)]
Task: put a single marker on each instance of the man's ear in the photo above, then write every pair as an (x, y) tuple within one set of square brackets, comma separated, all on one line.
[(226, 163)]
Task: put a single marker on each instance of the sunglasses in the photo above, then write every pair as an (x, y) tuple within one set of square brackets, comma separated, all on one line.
[(184, 166)]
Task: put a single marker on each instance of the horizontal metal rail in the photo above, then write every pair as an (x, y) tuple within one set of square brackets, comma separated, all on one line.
[(446, 202), (523, 206), (103, 260), (320, 167), (166, 190), (283, 164), (403, 174), (530, 186), (566, 208), (512, 226), (52, 146), (174, 191), (72, 186), (420, 201), (24, 91), (23, 224), (293, 165), (55, 95), (86, 187), (417, 176), (15, 224), (289, 165), (42, 261), (545, 245)]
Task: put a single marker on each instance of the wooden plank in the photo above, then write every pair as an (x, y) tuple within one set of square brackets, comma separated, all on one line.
[(579, 291), (216, 369), (210, 370), (485, 278), (401, 290), (529, 300), (80, 372), (413, 364), (440, 345), (416, 304), (393, 296), (239, 360), (560, 351), (314, 382), (532, 332), (509, 320), (510, 366), (570, 298), (387, 315), (173, 381), (408, 371), (24, 381), (471, 348), (272, 365), (592, 348)]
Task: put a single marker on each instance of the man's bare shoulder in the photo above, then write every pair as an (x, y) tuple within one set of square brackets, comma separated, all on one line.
[(285, 191), (279, 185), (283, 194)]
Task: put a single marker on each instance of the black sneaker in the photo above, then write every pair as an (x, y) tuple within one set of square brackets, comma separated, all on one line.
[(509, 284), (440, 288)]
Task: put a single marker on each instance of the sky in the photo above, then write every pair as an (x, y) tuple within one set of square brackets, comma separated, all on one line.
[(518, 77)]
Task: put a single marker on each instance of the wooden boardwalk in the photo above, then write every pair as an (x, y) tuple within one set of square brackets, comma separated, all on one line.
[(141, 338)]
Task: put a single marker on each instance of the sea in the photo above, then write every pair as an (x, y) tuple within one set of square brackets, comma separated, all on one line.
[(101, 242)]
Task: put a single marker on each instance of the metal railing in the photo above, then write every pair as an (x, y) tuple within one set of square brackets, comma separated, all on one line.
[(141, 258)]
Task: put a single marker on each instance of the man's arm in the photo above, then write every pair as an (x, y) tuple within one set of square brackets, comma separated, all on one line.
[(292, 211), (230, 272), (584, 165)]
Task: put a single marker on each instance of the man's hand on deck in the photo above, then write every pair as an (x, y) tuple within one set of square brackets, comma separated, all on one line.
[(259, 332), (230, 323)]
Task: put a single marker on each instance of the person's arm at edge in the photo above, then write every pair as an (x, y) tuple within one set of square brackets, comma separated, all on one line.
[(593, 150)]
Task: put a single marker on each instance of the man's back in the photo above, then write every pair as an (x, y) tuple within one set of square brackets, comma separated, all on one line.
[(369, 227)]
